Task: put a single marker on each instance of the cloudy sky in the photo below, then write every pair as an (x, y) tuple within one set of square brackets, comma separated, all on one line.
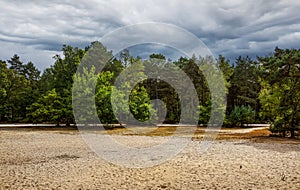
[(36, 29)]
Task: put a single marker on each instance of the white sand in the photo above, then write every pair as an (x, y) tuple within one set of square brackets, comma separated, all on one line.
[(61, 160)]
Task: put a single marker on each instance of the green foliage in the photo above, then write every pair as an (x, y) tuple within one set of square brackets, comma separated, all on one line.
[(64, 68), (280, 96), (15, 93), (205, 113), (269, 86), (280, 126), (241, 115), (157, 56), (140, 105), (54, 87), (3, 88), (48, 108), (16, 64), (18, 89), (245, 86), (103, 97), (227, 71), (83, 94)]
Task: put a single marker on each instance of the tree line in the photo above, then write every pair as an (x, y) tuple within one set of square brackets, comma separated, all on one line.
[(266, 90)]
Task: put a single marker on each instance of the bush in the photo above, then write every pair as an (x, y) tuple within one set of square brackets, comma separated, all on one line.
[(241, 115), (282, 128), (278, 127)]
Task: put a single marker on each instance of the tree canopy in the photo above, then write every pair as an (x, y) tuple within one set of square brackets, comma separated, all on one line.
[(280, 94), (263, 90)]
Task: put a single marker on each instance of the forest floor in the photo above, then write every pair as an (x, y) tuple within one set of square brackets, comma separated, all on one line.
[(58, 158)]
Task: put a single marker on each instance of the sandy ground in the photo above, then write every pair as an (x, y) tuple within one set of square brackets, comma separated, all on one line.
[(60, 159)]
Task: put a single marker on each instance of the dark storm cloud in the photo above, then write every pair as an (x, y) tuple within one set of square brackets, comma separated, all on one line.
[(229, 27), (145, 50)]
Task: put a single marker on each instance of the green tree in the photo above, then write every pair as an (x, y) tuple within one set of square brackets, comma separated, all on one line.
[(46, 81), (157, 56), (93, 85), (245, 86), (280, 95), (23, 90), (16, 88), (140, 105), (48, 108), (3, 88), (65, 68), (16, 93), (56, 83), (16, 64), (31, 73), (130, 85), (227, 71), (83, 95), (103, 96), (194, 68)]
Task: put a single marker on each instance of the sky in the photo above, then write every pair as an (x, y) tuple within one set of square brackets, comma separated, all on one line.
[(37, 29)]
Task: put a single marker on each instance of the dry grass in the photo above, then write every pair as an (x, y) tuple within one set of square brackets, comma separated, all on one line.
[(259, 136)]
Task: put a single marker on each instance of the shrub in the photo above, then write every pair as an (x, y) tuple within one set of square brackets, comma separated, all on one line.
[(241, 115)]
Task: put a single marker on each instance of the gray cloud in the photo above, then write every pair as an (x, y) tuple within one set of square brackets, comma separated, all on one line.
[(38, 28)]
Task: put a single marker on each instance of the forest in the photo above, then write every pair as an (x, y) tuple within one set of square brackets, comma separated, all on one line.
[(264, 90)]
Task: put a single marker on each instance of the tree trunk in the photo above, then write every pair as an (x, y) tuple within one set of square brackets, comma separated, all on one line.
[(292, 127), (292, 133)]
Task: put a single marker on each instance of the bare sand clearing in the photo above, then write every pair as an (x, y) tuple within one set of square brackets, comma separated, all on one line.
[(59, 159)]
